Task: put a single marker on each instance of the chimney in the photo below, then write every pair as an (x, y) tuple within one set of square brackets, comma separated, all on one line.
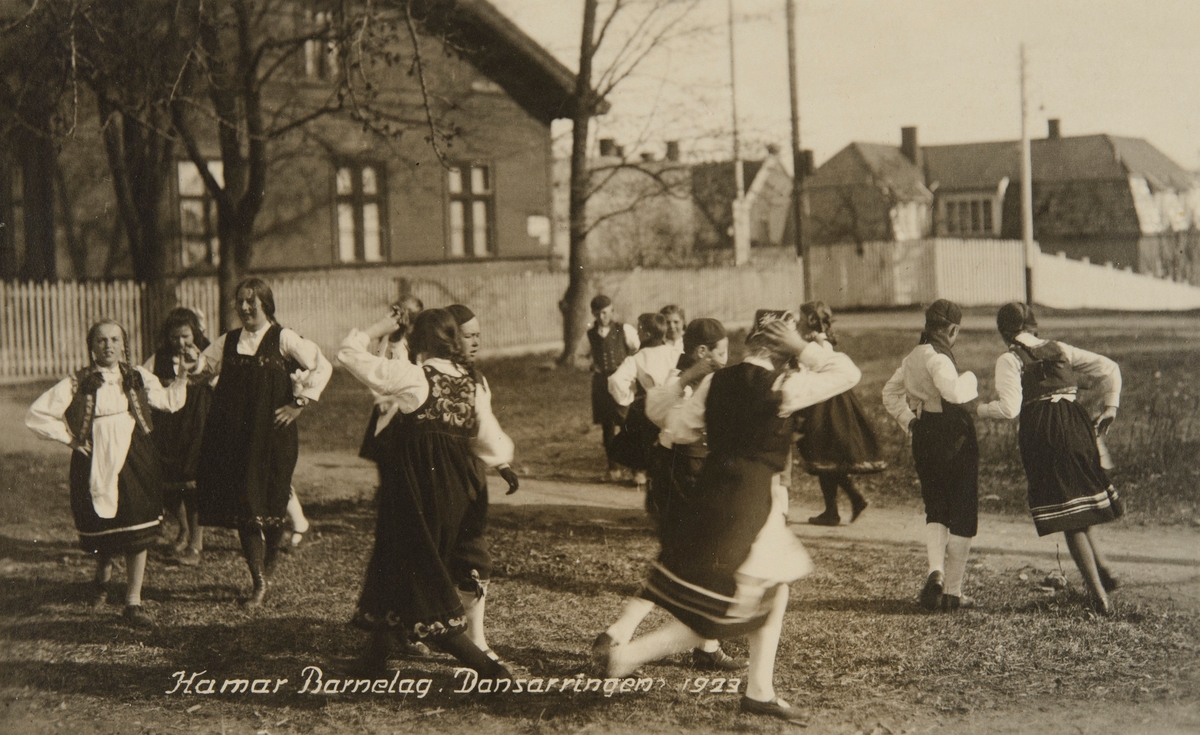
[(647, 157), (673, 150), (909, 146), (608, 147), (1053, 131), (619, 152)]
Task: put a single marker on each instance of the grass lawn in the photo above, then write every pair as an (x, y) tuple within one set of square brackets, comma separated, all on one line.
[(856, 650)]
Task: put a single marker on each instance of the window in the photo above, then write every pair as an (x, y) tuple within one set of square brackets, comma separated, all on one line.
[(198, 215), (969, 217), (472, 210), (361, 212), (320, 56)]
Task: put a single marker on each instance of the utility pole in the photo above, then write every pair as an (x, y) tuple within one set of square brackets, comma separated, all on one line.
[(798, 161), (741, 219), (1026, 188)]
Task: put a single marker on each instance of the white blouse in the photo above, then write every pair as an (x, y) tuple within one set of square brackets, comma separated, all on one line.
[(112, 427), (307, 382), (1008, 378), (823, 374), (925, 379), (406, 383), (649, 366)]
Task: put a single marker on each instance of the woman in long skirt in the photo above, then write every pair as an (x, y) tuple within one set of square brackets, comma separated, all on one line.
[(837, 439), (178, 434), (103, 413), (432, 483), (727, 560), (268, 374), (1037, 381)]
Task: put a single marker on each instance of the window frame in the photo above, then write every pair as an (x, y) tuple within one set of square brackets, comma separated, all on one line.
[(358, 200), (468, 197), (208, 206), (970, 215)]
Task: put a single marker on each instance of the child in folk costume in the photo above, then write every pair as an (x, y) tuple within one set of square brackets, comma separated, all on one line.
[(609, 343), (471, 559), (103, 413), (431, 487), (726, 563), (648, 367), (674, 472), (385, 409), (676, 324), (178, 434), (837, 439), (945, 450), (1037, 380), (268, 374)]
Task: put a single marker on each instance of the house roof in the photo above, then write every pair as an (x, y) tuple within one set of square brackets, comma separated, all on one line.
[(1080, 158), (892, 169), (497, 47)]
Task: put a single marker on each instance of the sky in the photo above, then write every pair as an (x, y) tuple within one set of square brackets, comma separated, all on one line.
[(869, 67)]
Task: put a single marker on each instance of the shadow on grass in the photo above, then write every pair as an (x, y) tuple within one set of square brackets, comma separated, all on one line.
[(859, 605), (20, 550)]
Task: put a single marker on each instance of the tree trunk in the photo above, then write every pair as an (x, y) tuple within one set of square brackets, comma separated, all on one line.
[(229, 274), (574, 305), (39, 160)]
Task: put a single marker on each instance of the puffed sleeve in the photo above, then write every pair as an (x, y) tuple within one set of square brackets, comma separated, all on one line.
[(392, 377), (632, 343), (1008, 388), (310, 381), (826, 374), (169, 399), (491, 444), (895, 399), (954, 388), (214, 354), (621, 382), (45, 416), (1099, 368)]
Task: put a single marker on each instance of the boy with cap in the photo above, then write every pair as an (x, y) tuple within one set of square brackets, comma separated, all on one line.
[(926, 396)]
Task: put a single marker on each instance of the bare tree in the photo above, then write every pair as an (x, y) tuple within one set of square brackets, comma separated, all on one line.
[(635, 29)]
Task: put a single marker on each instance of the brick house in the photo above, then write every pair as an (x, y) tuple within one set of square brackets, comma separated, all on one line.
[(1102, 197), (339, 199)]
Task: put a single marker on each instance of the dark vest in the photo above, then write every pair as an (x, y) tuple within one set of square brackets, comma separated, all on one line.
[(1044, 370), (82, 411), (609, 351), (741, 413)]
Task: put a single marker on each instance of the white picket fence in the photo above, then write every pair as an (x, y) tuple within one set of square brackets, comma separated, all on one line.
[(43, 328)]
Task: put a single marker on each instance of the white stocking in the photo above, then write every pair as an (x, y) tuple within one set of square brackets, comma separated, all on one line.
[(674, 637), (764, 643), (474, 607), (936, 536), (636, 610), (956, 563)]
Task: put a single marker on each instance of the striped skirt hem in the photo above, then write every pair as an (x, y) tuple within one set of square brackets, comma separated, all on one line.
[(709, 613), (1078, 513)]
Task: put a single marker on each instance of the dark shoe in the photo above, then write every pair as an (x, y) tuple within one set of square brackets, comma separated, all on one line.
[(257, 594), (189, 557), (601, 648), (1107, 580), (856, 508), (826, 519), (717, 660), (775, 708), (414, 649), (137, 617), (931, 594), (950, 603)]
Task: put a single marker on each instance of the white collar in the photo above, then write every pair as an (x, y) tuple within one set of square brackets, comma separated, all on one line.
[(1028, 340)]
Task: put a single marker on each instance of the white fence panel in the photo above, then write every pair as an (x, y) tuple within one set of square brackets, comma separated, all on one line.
[(1062, 283), (979, 272)]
